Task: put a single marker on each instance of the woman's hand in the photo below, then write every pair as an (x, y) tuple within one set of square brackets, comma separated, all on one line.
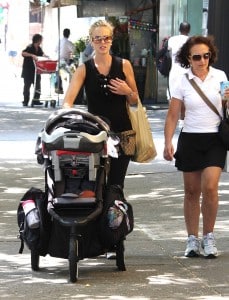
[(34, 57), (168, 152), (119, 87), (66, 105)]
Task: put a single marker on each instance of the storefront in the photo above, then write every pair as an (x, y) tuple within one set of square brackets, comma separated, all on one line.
[(140, 27)]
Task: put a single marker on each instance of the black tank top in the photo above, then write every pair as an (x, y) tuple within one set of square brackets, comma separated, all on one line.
[(101, 101)]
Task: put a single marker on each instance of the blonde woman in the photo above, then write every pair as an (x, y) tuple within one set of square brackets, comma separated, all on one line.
[(109, 83)]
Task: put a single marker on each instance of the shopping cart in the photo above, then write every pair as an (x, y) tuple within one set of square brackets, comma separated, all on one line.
[(46, 66)]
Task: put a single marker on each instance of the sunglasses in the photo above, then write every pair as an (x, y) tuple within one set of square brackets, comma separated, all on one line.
[(99, 39), (198, 57)]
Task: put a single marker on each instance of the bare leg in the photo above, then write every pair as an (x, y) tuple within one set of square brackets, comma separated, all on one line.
[(209, 186), (192, 188)]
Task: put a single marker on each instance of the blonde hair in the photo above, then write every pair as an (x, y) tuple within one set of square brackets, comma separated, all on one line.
[(100, 23)]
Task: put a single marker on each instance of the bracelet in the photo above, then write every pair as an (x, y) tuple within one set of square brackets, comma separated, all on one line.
[(130, 94)]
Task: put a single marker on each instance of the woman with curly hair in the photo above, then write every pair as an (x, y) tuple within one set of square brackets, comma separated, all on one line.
[(200, 154)]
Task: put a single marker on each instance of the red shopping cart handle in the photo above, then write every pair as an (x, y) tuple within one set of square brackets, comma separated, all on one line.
[(46, 66)]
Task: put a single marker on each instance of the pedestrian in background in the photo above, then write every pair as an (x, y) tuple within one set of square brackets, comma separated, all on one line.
[(88, 51), (64, 50), (200, 154), (174, 44), (31, 54)]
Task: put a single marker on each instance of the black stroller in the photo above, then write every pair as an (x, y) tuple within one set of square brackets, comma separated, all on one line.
[(72, 147)]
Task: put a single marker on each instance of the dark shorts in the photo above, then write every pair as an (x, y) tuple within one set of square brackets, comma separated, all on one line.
[(197, 151)]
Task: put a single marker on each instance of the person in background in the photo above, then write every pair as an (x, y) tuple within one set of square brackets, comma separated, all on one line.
[(64, 51), (31, 54), (88, 52), (200, 154), (174, 44)]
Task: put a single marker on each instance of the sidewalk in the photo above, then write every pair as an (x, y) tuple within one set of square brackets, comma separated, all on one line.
[(156, 267)]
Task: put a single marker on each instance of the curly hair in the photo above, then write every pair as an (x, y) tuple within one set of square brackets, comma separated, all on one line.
[(101, 23), (183, 54)]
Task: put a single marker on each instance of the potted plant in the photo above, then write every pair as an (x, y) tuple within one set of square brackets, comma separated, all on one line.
[(80, 46)]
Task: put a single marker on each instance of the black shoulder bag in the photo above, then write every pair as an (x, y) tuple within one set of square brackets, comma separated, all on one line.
[(224, 122)]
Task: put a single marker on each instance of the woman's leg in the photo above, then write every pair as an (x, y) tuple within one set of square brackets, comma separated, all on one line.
[(209, 186), (26, 91), (192, 189), (118, 168)]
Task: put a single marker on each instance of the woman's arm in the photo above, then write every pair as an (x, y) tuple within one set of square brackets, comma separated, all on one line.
[(74, 86), (170, 126), (27, 54), (132, 96)]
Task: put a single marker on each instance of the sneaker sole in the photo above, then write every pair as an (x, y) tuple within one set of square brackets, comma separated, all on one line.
[(210, 256), (192, 254)]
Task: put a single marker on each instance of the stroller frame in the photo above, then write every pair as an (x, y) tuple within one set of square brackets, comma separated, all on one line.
[(70, 153)]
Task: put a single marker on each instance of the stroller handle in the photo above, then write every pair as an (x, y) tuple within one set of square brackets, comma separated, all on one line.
[(59, 114), (75, 222)]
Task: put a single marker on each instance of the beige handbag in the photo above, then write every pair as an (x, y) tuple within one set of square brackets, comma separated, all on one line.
[(145, 149)]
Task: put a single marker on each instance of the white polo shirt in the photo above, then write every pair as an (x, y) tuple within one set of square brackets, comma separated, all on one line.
[(198, 115)]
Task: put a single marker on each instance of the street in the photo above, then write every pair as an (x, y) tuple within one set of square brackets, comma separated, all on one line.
[(156, 267)]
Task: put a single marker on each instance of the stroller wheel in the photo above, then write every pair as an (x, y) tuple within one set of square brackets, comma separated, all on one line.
[(35, 260), (73, 259)]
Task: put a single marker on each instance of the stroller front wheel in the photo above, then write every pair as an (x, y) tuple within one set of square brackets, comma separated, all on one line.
[(73, 259)]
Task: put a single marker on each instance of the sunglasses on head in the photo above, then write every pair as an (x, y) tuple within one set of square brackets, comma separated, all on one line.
[(100, 39), (198, 57)]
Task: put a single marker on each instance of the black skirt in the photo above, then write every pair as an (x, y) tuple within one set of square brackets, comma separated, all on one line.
[(197, 151)]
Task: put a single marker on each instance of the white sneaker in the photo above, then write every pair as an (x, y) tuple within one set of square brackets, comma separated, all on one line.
[(209, 245), (193, 246)]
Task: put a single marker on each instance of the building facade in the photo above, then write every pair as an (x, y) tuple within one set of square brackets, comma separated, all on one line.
[(140, 27)]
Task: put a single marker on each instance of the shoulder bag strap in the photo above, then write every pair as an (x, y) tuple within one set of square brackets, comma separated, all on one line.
[(203, 96)]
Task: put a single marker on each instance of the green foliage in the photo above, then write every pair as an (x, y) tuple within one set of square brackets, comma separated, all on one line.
[(80, 46)]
